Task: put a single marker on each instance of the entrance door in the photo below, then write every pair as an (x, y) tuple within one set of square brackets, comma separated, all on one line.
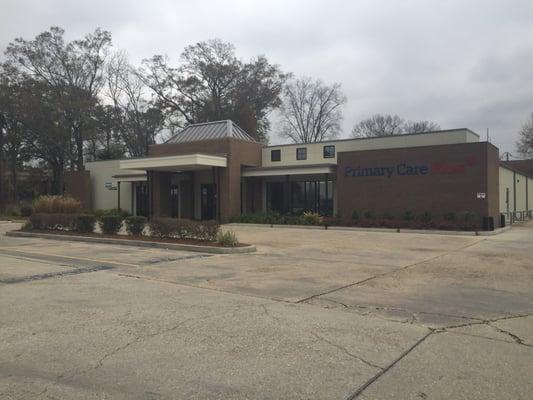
[(208, 201), (174, 201), (141, 199)]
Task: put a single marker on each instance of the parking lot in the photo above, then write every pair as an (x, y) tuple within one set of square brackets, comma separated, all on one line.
[(313, 314)]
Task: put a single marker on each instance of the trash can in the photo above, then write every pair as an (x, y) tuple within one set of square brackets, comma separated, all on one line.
[(502, 221), (488, 223)]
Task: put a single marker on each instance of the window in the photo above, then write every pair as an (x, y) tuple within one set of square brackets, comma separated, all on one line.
[(301, 153), (275, 155), (329, 151)]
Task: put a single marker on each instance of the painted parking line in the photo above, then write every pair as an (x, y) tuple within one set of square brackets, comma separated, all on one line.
[(95, 260)]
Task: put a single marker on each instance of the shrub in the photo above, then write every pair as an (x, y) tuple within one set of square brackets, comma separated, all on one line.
[(12, 211), (111, 211), (183, 229), (426, 217), (355, 215), (84, 223), (370, 215), (227, 239), (202, 230), (408, 216), (135, 225), (26, 209), (163, 227), (110, 224), (311, 218), (57, 222), (56, 205), (450, 216)]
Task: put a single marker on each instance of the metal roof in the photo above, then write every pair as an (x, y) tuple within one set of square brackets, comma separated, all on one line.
[(210, 130)]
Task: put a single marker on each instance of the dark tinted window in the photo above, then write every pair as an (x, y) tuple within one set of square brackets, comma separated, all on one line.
[(329, 151), (275, 155), (301, 153)]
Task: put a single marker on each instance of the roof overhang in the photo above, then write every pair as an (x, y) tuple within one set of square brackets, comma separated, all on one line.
[(185, 162), (290, 170), (138, 177)]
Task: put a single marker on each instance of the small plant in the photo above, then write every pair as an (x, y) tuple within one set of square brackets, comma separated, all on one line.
[(84, 223), (111, 211), (469, 216), (426, 218), (370, 215), (26, 210), (355, 215), (227, 239), (449, 216), (12, 211), (110, 224), (311, 218), (56, 205), (408, 216), (135, 225)]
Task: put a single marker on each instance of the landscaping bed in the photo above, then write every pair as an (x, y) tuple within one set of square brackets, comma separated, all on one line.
[(61, 217), (192, 242)]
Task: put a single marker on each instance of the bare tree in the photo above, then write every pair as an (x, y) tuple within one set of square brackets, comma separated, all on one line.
[(311, 111), (379, 125), (138, 120), (525, 141), (388, 125), (420, 126)]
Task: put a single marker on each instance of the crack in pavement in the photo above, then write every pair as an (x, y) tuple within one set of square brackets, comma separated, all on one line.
[(412, 319), (345, 351), (432, 331), (401, 269), (362, 388), (138, 339)]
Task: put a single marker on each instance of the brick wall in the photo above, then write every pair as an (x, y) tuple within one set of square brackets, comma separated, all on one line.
[(438, 179)]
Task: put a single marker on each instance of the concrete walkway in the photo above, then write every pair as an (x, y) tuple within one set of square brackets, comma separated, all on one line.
[(310, 315)]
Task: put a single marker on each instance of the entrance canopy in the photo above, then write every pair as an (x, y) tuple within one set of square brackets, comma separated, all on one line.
[(185, 162), (290, 170)]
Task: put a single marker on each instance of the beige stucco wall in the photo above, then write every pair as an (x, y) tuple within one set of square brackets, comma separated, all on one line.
[(315, 150), (522, 182), (506, 183), (102, 197)]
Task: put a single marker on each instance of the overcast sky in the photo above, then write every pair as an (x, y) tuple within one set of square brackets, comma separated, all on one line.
[(461, 63)]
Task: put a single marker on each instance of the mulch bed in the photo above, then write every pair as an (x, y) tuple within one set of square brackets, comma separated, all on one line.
[(141, 238)]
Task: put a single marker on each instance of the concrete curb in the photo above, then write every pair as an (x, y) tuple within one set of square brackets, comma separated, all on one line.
[(383, 230), (132, 242)]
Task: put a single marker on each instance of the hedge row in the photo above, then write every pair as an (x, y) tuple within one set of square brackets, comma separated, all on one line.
[(111, 224), (184, 229)]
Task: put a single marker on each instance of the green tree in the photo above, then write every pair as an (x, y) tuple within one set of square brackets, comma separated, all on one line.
[(211, 84), (72, 71)]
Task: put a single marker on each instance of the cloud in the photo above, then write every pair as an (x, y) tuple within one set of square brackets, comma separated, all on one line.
[(461, 64)]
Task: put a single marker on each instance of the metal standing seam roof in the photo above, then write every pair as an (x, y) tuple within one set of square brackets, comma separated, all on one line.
[(210, 130)]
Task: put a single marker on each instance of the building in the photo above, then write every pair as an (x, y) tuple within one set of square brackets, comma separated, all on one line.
[(216, 170)]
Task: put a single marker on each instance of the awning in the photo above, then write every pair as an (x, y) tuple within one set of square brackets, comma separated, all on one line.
[(186, 162), (313, 169)]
